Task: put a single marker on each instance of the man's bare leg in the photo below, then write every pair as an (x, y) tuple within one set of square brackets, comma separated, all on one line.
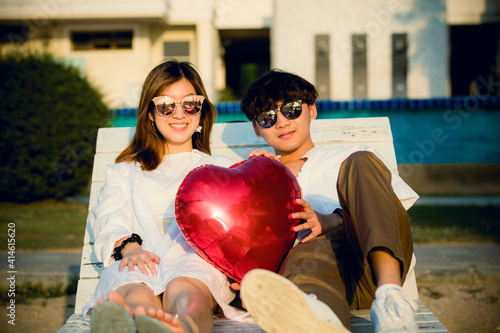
[(386, 268)]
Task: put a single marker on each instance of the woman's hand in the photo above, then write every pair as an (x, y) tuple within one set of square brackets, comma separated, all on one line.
[(134, 254), (263, 152), (317, 222)]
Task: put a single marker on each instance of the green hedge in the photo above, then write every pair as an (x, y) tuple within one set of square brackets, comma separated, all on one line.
[(49, 116)]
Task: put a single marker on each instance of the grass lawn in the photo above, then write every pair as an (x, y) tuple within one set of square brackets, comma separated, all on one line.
[(455, 224), (44, 225), (60, 225)]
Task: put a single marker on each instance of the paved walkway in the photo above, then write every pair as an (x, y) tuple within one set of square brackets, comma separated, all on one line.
[(434, 259), (482, 258), (457, 200), (31, 265)]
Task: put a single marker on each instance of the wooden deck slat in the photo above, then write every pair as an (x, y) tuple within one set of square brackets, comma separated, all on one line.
[(84, 292)]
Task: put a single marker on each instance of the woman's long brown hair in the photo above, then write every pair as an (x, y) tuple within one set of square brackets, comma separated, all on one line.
[(147, 146)]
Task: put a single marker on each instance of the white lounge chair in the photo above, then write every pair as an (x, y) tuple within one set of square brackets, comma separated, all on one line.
[(236, 140)]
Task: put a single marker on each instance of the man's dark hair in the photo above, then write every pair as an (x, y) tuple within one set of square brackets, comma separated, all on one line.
[(273, 87)]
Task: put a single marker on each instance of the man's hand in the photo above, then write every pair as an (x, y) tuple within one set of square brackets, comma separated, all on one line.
[(263, 152), (134, 254), (317, 222)]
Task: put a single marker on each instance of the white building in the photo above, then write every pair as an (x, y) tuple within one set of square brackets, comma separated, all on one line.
[(366, 49)]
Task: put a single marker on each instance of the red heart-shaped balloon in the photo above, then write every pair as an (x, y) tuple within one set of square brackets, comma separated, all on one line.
[(237, 218)]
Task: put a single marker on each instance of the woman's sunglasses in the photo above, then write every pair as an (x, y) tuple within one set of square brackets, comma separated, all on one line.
[(290, 111), (165, 105)]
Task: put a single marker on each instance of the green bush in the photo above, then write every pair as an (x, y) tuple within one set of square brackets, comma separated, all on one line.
[(49, 116)]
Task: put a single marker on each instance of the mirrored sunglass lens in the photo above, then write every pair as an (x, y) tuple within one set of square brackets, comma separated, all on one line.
[(291, 110), (165, 109), (192, 106), (267, 119)]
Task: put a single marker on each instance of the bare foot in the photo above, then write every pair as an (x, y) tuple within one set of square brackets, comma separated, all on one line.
[(179, 325), (186, 325), (117, 298), (173, 323), (155, 313)]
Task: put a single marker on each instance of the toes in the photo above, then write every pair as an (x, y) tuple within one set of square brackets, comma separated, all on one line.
[(140, 311), (154, 312), (183, 324), (116, 297), (160, 314)]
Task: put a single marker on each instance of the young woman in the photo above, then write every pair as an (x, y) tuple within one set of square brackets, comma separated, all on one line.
[(153, 280)]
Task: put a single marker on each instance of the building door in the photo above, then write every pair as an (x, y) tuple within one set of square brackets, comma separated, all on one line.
[(246, 57), (475, 59)]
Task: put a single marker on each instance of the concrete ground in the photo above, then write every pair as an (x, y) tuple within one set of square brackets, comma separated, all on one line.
[(431, 259)]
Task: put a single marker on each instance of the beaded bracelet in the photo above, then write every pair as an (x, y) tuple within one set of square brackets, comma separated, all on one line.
[(117, 252)]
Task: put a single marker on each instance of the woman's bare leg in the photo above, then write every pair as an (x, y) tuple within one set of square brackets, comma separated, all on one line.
[(192, 301), (185, 301), (132, 295)]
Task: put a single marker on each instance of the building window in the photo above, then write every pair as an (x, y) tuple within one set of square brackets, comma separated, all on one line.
[(176, 49), (322, 48), (12, 34), (399, 65), (359, 67), (101, 40)]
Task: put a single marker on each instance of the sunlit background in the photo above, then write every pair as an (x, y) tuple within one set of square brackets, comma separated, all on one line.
[(427, 65)]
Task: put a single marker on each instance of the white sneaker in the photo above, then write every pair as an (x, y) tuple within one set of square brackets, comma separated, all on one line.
[(393, 311), (278, 305)]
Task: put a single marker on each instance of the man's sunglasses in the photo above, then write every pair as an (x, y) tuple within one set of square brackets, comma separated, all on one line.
[(165, 105), (290, 111)]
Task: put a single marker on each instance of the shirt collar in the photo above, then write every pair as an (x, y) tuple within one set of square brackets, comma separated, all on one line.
[(310, 152)]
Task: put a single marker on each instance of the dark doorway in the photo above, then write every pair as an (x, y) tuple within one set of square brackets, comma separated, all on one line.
[(246, 56), (475, 59), (322, 68), (399, 65)]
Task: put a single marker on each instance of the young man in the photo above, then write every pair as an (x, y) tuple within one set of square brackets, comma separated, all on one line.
[(356, 206)]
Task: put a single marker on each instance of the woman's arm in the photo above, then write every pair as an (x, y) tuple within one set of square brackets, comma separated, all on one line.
[(112, 222)]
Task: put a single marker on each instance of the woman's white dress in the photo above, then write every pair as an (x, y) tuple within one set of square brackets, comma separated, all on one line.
[(142, 202)]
